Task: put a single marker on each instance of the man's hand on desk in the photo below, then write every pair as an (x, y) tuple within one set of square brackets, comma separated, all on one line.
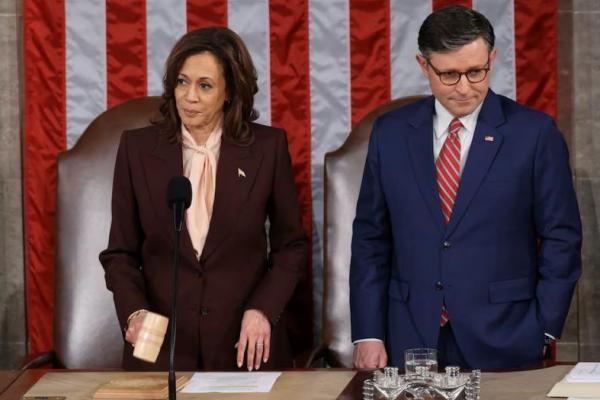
[(369, 354)]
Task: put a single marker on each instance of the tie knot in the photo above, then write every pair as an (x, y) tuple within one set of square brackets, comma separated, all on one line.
[(454, 127)]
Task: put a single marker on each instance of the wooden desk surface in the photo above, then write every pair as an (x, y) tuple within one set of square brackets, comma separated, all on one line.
[(305, 384), (76, 385), (6, 378)]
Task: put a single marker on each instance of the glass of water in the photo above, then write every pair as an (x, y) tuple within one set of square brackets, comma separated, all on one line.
[(426, 358)]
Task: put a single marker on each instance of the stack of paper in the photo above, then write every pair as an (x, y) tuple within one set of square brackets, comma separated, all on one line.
[(231, 382), (584, 372), (583, 381)]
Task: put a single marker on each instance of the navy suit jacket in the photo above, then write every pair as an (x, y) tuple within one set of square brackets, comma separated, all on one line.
[(508, 260)]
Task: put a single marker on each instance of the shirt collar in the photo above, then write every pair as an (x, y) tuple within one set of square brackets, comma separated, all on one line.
[(443, 119)]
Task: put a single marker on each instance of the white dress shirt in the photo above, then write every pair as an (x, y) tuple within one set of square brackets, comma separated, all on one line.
[(441, 122)]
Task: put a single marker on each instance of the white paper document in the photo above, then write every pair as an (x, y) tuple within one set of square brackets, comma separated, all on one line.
[(231, 382), (583, 398), (583, 381), (584, 372)]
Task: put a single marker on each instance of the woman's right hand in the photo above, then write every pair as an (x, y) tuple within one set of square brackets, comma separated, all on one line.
[(134, 326)]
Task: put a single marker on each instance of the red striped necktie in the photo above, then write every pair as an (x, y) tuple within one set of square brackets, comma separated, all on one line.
[(447, 171)]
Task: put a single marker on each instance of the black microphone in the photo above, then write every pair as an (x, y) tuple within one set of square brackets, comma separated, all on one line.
[(179, 198)]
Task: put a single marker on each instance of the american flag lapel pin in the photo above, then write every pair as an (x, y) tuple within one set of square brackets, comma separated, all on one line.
[(241, 173), (488, 138)]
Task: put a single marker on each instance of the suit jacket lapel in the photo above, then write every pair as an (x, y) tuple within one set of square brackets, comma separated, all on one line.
[(421, 151), (166, 161), (485, 145), (237, 168)]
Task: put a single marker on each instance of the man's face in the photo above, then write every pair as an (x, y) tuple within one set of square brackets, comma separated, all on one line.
[(463, 97)]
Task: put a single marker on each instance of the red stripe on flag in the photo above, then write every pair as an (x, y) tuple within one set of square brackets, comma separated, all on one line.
[(369, 56), (125, 50), (535, 54), (290, 109), (201, 14), (44, 139), (436, 4)]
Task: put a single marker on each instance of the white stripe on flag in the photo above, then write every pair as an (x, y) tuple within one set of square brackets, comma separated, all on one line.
[(406, 18), (251, 21), (501, 15), (165, 23), (85, 64), (329, 105)]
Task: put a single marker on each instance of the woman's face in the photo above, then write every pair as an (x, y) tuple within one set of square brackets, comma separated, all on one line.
[(200, 93)]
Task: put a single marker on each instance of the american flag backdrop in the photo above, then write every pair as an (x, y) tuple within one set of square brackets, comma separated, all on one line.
[(322, 65)]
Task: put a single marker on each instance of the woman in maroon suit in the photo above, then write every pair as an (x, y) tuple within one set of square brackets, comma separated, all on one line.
[(234, 284)]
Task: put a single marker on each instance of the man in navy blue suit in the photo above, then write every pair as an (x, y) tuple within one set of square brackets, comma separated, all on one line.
[(467, 235)]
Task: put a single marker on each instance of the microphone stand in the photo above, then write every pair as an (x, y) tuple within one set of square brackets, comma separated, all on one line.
[(177, 209)]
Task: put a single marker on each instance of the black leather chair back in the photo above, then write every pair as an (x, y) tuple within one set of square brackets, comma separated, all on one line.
[(343, 175), (86, 331)]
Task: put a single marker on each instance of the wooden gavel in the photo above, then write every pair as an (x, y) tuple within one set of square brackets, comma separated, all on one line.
[(151, 337)]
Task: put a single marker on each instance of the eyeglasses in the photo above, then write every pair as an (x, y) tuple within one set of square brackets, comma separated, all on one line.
[(450, 78)]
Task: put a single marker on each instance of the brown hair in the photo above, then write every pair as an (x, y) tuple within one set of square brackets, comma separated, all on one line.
[(240, 81)]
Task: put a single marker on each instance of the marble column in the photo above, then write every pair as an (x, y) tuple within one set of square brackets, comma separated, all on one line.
[(568, 346), (585, 146), (12, 309)]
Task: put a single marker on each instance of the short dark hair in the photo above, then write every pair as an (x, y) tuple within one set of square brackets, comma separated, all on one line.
[(452, 27), (240, 81)]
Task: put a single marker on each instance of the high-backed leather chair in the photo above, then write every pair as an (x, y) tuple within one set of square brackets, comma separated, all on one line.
[(86, 331), (343, 175)]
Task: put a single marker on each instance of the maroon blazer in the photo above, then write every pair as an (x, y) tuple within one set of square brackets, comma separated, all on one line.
[(239, 268)]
